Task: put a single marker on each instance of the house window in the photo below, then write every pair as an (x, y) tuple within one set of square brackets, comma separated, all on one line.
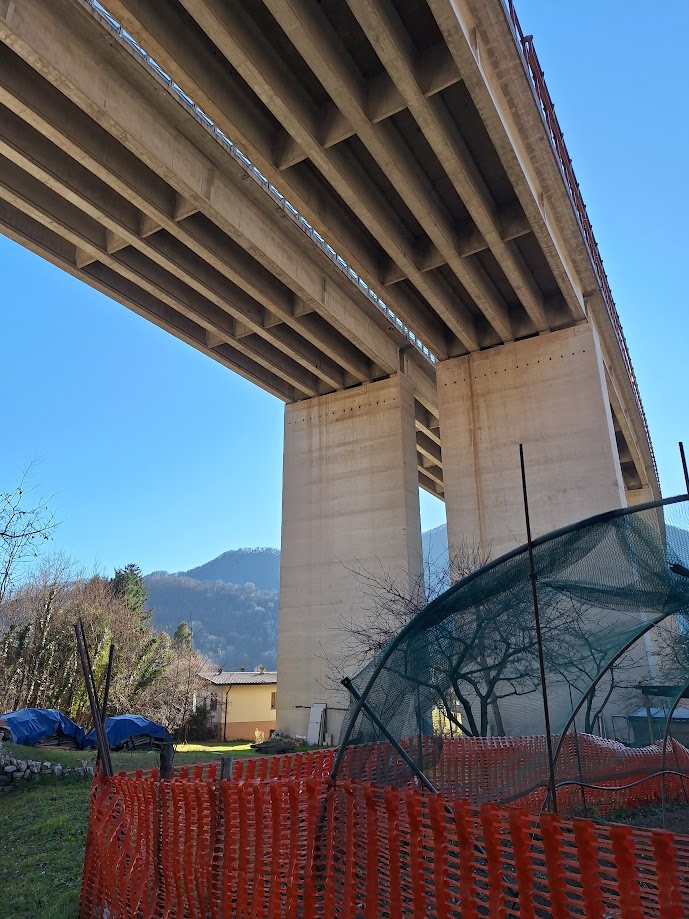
[(273, 699)]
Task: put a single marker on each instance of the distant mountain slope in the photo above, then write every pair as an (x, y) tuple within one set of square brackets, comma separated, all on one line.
[(235, 625), (239, 566), (232, 602)]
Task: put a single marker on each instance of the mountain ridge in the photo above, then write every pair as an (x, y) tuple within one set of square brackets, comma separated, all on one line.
[(231, 602)]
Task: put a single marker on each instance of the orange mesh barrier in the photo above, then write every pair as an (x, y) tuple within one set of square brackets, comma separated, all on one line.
[(502, 769), (303, 848), (506, 770)]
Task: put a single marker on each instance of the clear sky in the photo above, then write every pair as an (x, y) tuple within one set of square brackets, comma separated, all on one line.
[(158, 455)]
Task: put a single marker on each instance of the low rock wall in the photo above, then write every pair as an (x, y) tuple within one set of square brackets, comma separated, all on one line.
[(14, 769)]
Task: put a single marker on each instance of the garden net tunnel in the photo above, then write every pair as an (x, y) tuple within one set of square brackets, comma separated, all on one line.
[(467, 665)]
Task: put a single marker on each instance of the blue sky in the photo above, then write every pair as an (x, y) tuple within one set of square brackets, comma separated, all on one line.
[(158, 455)]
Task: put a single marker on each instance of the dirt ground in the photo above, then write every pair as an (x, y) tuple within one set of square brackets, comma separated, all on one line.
[(651, 817)]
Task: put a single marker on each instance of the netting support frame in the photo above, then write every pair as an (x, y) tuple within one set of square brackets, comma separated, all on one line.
[(570, 721), (539, 637), (421, 776), (402, 634)]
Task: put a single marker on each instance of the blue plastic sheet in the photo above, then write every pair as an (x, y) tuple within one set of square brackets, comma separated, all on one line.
[(31, 725), (121, 728)]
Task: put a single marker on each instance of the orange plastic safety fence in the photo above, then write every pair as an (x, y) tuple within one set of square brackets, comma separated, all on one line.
[(505, 770), (265, 848), (514, 770)]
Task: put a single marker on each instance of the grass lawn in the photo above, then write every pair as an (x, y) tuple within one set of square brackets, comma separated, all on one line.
[(139, 759), (42, 838)]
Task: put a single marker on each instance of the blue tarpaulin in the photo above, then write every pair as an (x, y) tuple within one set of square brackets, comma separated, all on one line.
[(31, 725), (121, 728)]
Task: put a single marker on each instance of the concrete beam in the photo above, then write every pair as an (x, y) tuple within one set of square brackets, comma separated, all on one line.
[(43, 205), (436, 69), (168, 155), (548, 393), (488, 58), (166, 34), (247, 50), (350, 509), (54, 169), (312, 35), (395, 49), (45, 243)]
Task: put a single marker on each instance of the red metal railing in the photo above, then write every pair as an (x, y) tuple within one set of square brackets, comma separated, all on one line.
[(547, 108)]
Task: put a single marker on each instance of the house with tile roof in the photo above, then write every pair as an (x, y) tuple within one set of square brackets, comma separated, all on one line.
[(242, 703)]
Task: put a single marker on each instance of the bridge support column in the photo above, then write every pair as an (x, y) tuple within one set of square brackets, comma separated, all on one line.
[(549, 393), (350, 503)]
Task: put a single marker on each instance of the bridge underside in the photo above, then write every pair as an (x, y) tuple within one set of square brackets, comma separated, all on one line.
[(391, 131)]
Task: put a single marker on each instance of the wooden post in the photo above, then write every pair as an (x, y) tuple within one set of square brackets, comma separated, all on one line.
[(166, 754), (226, 764)]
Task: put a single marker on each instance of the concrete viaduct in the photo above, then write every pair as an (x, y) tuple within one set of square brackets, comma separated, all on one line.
[(366, 207)]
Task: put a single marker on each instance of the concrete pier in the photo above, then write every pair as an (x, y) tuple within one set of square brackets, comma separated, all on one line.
[(350, 503)]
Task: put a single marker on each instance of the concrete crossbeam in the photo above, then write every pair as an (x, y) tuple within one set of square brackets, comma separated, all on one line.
[(350, 510), (224, 98), (548, 393)]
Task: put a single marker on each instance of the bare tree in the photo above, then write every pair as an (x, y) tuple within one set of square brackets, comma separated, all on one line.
[(479, 657), (25, 525), (582, 650)]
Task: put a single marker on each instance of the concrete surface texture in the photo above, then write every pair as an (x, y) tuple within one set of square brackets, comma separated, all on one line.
[(548, 393)]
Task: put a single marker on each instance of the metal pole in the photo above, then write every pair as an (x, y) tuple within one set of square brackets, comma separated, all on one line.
[(539, 637), (396, 744), (684, 466), (578, 751)]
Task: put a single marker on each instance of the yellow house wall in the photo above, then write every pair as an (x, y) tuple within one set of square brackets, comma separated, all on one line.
[(248, 708)]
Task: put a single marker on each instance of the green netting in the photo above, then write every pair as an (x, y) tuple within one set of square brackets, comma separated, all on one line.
[(467, 664)]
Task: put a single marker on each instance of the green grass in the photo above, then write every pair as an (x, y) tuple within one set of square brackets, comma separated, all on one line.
[(42, 838), (43, 827), (126, 761)]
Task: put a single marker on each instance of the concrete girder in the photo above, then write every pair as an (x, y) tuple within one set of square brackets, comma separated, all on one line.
[(491, 67), (457, 22), (512, 225), (45, 243), (223, 98), (48, 167), (393, 46), (625, 429), (319, 46), (46, 207), (224, 255), (437, 70), (428, 448), (246, 51), (426, 468), (430, 485), (36, 33)]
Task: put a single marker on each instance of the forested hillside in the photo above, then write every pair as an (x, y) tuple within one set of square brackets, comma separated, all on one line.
[(232, 602), (239, 566), (235, 625)]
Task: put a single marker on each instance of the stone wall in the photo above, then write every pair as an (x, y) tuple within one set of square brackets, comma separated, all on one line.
[(13, 769)]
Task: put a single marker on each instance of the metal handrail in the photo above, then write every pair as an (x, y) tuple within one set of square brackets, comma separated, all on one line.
[(115, 28), (547, 109)]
